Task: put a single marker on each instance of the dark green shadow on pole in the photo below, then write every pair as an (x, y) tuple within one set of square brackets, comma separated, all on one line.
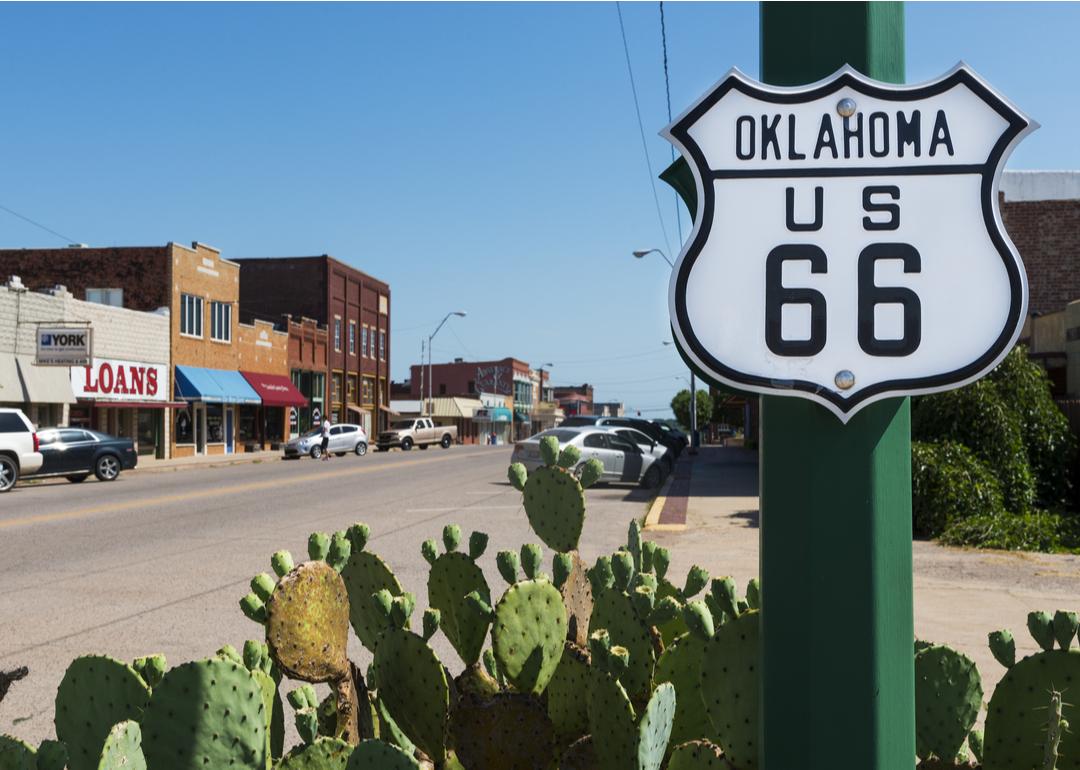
[(837, 618)]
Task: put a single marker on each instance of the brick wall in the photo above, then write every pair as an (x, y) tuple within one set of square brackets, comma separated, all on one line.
[(454, 379), (1047, 235), (262, 348), (202, 272), (139, 270), (307, 345)]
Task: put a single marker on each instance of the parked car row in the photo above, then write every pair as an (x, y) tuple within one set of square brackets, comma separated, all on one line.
[(631, 450)]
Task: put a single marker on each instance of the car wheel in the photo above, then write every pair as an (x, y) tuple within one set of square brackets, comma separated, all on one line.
[(651, 479), (316, 452), (107, 468), (422, 446), (446, 442), (406, 444), (9, 473), (78, 478), (360, 449), (340, 454)]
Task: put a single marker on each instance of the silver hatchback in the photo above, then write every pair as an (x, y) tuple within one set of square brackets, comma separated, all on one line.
[(344, 437), (623, 460)]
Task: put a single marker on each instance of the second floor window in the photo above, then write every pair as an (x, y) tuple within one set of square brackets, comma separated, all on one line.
[(221, 321), (352, 338), (191, 315), (382, 346), (337, 333), (114, 297), (363, 341)]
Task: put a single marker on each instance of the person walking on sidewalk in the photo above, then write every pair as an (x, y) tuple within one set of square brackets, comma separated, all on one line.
[(325, 439)]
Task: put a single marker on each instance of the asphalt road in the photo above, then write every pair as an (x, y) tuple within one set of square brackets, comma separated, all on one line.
[(157, 561)]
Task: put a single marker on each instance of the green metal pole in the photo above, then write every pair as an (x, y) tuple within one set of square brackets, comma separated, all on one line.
[(837, 628)]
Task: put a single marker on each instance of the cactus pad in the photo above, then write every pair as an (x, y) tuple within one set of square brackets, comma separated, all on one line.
[(948, 696), (207, 713), (579, 756), (510, 730), (696, 755), (681, 664), (655, 728), (123, 748), (376, 755), (555, 505), (614, 611), (16, 755), (729, 684), (611, 720), (96, 693), (527, 634), (307, 624), (578, 599), (569, 711), (412, 685), (323, 754), (1016, 715), (453, 576), (365, 574)]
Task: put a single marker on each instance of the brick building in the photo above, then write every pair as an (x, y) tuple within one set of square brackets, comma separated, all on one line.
[(574, 399), (354, 308), (307, 367), (509, 379)]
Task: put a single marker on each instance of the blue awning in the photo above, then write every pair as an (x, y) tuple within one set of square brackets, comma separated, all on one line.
[(217, 386)]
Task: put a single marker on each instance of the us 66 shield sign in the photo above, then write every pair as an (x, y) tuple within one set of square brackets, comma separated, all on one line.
[(848, 245)]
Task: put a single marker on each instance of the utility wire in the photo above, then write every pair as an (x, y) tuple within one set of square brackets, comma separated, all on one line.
[(641, 129), (667, 91), (37, 224)]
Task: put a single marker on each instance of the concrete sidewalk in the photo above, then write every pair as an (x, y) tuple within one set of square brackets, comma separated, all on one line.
[(153, 465), (960, 595)]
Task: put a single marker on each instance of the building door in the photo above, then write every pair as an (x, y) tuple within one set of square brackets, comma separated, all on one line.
[(228, 430)]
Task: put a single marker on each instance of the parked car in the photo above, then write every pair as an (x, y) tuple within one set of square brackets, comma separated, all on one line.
[(75, 453), (648, 427), (623, 460), (344, 437), (416, 431), (18, 447), (663, 455)]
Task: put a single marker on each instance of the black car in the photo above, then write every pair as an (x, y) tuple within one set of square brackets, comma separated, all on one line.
[(648, 427), (77, 452)]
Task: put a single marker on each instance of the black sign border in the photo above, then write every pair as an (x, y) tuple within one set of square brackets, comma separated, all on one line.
[(680, 131)]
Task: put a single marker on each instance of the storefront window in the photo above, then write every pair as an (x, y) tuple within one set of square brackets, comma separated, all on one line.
[(351, 392), (335, 388), (185, 425), (249, 423), (369, 391), (215, 424), (149, 431)]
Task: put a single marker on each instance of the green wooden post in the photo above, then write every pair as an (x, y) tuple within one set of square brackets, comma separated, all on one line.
[(837, 627)]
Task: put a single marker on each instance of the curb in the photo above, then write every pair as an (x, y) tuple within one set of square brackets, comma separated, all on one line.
[(652, 517), (239, 460)]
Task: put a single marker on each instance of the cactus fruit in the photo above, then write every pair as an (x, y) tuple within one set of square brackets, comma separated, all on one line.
[(729, 683), (151, 668), (123, 748), (321, 754), (453, 576), (412, 683), (948, 697), (207, 713), (527, 633), (681, 664), (696, 755), (569, 711), (510, 730), (365, 574), (1016, 716), (377, 755), (96, 693)]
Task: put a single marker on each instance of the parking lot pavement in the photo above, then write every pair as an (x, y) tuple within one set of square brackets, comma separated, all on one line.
[(960, 595), (157, 562)]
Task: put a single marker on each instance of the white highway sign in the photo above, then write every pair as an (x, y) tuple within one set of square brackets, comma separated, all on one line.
[(848, 245)]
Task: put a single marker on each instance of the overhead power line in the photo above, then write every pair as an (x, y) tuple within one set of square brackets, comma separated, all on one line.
[(641, 129), (37, 224)]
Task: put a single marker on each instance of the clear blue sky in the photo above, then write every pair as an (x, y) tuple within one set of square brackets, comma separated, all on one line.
[(480, 157)]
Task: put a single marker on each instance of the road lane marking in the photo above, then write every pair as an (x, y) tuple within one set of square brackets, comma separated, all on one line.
[(253, 486)]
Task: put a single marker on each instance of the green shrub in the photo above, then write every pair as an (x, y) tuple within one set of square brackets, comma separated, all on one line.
[(1032, 531), (1051, 446), (980, 419), (949, 483)]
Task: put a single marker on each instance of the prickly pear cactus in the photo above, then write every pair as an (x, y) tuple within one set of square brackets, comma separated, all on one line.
[(376, 755), (16, 755), (571, 578), (53, 755), (365, 573), (207, 713), (553, 493), (323, 754), (614, 611), (1015, 731), (453, 576), (411, 679), (568, 710), (681, 664), (123, 748), (510, 730), (729, 683), (257, 659), (696, 755), (948, 697), (96, 693)]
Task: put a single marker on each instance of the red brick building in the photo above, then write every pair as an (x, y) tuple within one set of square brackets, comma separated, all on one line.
[(354, 308), (574, 399)]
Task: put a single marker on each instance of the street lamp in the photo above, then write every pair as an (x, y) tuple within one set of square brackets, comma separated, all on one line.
[(459, 313), (693, 380)]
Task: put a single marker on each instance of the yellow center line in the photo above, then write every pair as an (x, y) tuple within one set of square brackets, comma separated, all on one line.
[(235, 489)]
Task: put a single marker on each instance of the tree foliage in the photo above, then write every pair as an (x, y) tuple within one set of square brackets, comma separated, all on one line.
[(948, 484), (680, 405)]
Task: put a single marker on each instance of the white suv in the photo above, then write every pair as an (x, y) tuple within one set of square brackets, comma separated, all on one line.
[(18, 447)]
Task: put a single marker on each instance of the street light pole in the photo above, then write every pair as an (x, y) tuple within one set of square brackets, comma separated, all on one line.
[(693, 378), (460, 313)]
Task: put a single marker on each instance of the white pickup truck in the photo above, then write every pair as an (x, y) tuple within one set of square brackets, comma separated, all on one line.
[(416, 431)]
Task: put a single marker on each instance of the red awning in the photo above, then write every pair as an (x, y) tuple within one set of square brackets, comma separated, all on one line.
[(275, 389)]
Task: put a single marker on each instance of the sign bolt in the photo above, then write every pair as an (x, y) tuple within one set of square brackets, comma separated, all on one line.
[(844, 379), (846, 107)]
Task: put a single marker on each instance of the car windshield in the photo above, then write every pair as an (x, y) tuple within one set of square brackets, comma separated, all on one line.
[(312, 432), (562, 436)]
